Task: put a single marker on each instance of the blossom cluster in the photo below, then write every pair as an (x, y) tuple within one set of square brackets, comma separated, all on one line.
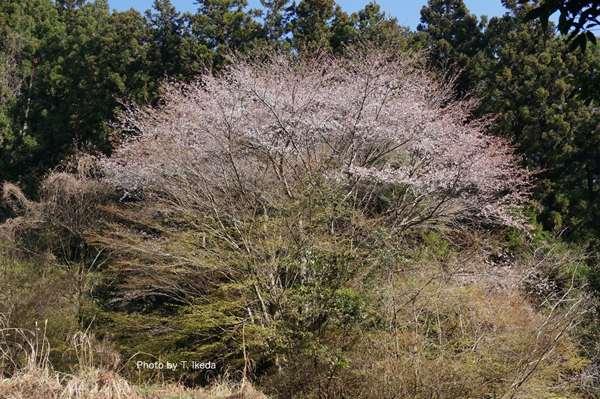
[(380, 123)]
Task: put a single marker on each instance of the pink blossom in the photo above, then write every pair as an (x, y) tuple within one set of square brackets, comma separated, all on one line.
[(379, 125)]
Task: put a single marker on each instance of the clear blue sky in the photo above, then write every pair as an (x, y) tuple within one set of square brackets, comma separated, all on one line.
[(407, 11)]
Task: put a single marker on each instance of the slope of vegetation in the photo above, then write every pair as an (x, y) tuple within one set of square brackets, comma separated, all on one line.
[(307, 205)]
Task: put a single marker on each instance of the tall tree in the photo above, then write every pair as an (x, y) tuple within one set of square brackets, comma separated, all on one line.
[(275, 20), (167, 33), (225, 24), (74, 60), (29, 30), (523, 75), (374, 26), (453, 37), (528, 86), (577, 21), (310, 24), (343, 31), (173, 51), (101, 57)]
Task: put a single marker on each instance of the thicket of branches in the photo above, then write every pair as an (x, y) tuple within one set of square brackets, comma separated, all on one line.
[(377, 125)]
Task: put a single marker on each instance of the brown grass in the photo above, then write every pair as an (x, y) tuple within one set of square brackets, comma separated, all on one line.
[(36, 383), (34, 377)]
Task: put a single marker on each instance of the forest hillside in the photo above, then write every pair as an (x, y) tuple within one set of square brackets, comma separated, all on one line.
[(296, 202)]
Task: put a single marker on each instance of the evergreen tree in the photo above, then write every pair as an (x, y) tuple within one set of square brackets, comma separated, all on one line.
[(577, 21), (276, 19), (522, 73), (528, 86), (29, 30), (173, 50), (454, 37), (167, 32), (310, 24), (374, 26), (343, 31), (74, 61), (101, 58), (225, 25)]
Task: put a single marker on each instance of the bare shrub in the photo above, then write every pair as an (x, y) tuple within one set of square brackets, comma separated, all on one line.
[(54, 227), (438, 336), (49, 234)]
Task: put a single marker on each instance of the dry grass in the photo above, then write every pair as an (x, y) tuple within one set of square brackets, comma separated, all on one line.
[(221, 389), (34, 378), (44, 384), (102, 384)]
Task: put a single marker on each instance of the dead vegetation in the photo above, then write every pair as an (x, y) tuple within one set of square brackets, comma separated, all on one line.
[(36, 379)]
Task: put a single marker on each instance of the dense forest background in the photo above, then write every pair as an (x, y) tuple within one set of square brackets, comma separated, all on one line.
[(304, 282)]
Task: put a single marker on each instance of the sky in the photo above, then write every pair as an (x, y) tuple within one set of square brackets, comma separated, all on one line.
[(407, 11)]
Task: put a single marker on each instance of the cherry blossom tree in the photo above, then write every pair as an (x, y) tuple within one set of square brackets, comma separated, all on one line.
[(270, 198), (376, 125)]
